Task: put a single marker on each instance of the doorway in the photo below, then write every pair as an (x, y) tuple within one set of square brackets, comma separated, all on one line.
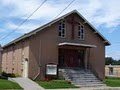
[(25, 68), (71, 58), (81, 59)]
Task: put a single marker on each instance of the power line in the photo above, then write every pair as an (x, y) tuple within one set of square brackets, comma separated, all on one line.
[(24, 21), (65, 8)]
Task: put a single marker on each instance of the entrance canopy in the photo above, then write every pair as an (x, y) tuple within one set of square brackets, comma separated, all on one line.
[(77, 44)]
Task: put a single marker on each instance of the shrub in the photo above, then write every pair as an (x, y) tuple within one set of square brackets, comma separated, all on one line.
[(17, 75), (9, 74), (68, 82), (3, 77), (108, 77), (4, 74)]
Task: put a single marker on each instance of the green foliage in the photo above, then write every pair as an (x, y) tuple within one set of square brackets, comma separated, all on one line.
[(5, 84), (17, 75), (113, 78), (3, 73), (112, 82), (110, 60), (9, 74), (56, 84)]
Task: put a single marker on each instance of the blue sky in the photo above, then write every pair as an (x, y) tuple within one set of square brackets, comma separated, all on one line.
[(102, 14)]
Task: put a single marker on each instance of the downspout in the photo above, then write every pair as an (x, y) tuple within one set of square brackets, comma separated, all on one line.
[(39, 55), (17, 55)]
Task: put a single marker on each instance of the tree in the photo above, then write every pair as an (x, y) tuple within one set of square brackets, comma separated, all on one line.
[(110, 60)]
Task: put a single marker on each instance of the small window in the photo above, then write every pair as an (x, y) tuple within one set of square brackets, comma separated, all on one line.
[(61, 29), (80, 32)]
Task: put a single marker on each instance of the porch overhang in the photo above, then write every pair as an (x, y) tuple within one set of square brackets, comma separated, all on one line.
[(77, 44)]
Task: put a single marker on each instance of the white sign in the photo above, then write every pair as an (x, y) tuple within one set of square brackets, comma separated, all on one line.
[(51, 69)]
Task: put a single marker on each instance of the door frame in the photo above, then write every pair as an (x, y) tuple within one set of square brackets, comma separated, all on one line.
[(25, 68)]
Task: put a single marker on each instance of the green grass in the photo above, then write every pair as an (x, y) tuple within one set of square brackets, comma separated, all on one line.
[(112, 81), (6, 84), (56, 84)]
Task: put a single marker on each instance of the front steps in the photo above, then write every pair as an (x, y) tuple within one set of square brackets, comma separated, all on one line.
[(81, 78)]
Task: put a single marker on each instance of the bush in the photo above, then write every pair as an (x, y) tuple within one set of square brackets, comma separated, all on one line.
[(3, 77), (9, 74), (4, 74), (108, 77), (17, 75)]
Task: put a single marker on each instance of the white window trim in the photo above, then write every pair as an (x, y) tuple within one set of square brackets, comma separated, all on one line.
[(83, 33), (64, 31)]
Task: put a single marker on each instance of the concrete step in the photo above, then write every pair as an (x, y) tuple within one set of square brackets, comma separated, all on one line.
[(87, 80), (83, 83), (83, 78), (79, 76), (91, 85), (81, 72)]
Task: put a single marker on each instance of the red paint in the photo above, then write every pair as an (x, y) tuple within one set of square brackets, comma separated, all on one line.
[(71, 58)]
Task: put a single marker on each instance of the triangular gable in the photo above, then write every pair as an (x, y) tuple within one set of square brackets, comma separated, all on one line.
[(54, 21)]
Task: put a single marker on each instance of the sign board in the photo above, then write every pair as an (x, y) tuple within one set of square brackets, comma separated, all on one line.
[(51, 69)]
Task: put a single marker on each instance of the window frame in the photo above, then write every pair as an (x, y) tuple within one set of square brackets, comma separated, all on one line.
[(79, 24), (62, 28)]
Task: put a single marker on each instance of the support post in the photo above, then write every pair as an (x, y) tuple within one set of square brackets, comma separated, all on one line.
[(86, 58)]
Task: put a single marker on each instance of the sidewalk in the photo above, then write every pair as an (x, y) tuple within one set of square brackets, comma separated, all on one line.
[(27, 84)]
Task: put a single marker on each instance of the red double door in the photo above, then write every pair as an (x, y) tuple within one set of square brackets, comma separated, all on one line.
[(71, 57)]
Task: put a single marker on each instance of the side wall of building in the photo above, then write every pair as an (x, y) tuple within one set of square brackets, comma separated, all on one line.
[(0, 60), (114, 73), (13, 57), (43, 50)]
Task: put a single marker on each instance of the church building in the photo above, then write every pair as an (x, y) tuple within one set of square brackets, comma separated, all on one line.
[(68, 41), (0, 56)]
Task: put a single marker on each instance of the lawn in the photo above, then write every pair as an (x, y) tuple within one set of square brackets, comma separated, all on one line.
[(112, 81), (56, 84), (6, 84)]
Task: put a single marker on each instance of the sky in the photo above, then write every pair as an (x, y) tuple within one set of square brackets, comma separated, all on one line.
[(104, 15)]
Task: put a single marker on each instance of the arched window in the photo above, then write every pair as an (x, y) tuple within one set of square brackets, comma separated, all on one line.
[(61, 29), (81, 32)]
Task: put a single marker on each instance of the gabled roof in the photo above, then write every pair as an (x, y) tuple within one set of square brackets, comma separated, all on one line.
[(54, 21)]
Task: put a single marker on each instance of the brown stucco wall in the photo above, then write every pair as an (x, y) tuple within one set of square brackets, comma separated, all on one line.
[(49, 49), (14, 65), (46, 42)]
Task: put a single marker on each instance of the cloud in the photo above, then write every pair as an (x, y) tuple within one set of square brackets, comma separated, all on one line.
[(2, 30), (25, 28), (115, 55), (103, 13), (98, 12)]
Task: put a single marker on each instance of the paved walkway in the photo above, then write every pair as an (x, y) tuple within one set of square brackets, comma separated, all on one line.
[(27, 84)]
